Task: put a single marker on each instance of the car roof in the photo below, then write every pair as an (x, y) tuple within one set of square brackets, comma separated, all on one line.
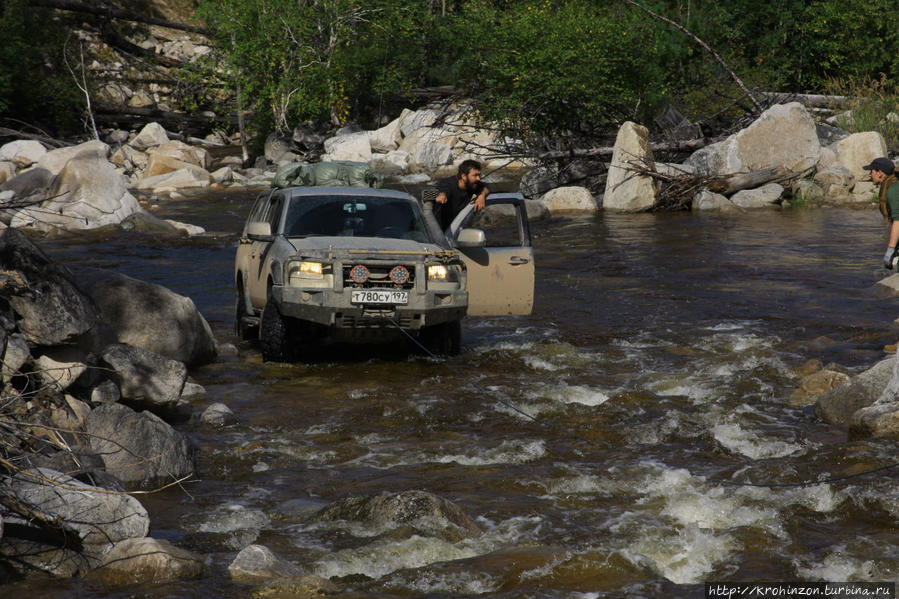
[(347, 191)]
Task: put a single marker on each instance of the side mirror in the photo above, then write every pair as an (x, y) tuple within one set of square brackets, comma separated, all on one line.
[(259, 229), (471, 238)]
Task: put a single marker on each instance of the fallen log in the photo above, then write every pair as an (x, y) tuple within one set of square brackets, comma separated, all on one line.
[(116, 13), (809, 100), (730, 184), (688, 145)]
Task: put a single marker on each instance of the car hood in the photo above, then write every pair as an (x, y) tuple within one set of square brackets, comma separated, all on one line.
[(362, 243)]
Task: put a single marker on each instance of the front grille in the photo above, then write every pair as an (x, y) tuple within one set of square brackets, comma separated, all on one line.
[(379, 276)]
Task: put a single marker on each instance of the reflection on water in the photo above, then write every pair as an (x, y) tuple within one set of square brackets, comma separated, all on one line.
[(657, 367)]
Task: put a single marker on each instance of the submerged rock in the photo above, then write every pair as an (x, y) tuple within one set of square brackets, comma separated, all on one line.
[(147, 561), (428, 513)]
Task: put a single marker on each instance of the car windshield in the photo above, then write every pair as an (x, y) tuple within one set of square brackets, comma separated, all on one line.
[(354, 216)]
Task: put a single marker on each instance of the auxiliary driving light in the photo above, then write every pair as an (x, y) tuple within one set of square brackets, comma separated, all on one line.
[(399, 274), (437, 272), (359, 274)]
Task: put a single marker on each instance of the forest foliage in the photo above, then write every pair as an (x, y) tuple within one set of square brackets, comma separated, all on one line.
[(550, 67)]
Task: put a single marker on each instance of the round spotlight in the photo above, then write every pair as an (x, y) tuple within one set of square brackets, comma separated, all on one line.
[(359, 274), (399, 274)]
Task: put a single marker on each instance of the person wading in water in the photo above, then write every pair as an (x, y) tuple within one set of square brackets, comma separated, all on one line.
[(883, 172)]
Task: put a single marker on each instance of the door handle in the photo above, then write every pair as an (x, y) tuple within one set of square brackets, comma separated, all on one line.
[(518, 260)]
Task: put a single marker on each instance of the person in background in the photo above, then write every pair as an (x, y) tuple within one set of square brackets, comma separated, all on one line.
[(464, 188), (883, 172)]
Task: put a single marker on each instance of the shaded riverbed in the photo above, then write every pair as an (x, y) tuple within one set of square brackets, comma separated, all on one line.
[(658, 364)]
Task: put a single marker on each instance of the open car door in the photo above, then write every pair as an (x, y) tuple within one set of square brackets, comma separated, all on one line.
[(495, 245)]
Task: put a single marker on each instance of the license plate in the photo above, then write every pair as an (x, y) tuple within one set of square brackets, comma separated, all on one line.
[(379, 296)]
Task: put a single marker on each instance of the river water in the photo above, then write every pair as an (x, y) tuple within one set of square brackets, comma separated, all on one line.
[(594, 441)]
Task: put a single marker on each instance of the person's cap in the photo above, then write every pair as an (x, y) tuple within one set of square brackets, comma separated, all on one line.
[(884, 165)]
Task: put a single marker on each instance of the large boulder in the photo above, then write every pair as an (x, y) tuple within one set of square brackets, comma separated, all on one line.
[(87, 193), (784, 135), (388, 137), (354, 147), (146, 380), (569, 199), (626, 190), (881, 418), (840, 404), (139, 449), (55, 160), (183, 178), (149, 316), (49, 306), (29, 149), (859, 149), (182, 152), (147, 561), (429, 514), (93, 518), (150, 136)]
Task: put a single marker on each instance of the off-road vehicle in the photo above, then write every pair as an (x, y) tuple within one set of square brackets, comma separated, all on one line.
[(349, 264)]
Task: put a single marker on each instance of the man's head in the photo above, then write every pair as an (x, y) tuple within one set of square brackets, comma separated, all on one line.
[(469, 174), (880, 168)]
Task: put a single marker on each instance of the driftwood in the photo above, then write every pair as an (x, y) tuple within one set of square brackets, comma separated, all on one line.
[(688, 145), (730, 184), (130, 116), (676, 192)]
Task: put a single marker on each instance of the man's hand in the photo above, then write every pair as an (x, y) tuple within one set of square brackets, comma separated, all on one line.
[(441, 198), (888, 258), (479, 202)]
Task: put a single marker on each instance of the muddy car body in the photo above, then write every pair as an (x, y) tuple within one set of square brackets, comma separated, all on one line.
[(348, 264)]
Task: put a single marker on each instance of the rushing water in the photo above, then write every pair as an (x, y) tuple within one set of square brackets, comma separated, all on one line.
[(656, 367)]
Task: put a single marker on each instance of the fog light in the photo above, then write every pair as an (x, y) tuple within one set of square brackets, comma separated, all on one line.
[(399, 274), (359, 274)]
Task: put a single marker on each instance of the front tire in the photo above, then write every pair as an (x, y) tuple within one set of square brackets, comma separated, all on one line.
[(443, 339), (274, 334)]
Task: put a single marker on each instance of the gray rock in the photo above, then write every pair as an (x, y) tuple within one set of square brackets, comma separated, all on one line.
[(55, 160), (98, 517), (87, 193), (426, 512), (218, 414), (762, 197), (259, 562), (15, 356), (51, 308), (150, 136), (27, 183), (713, 202), (140, 449), (105, 392), (840, 404), (147, 561), (95, 517), (59, 368), (784, 135), (568, 200), (28, 148), (275, 147), (146, 379), (149, 316)]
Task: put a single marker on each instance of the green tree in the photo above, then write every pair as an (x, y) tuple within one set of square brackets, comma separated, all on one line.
[(36, 87)]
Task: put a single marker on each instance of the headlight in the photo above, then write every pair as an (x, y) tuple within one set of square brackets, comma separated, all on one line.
[(304, 270), (437, 272)]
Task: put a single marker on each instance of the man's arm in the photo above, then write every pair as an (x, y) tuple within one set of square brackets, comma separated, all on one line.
[(481, 200)]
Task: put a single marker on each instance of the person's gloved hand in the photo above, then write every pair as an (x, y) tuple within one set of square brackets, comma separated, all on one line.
[(888, 258)]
